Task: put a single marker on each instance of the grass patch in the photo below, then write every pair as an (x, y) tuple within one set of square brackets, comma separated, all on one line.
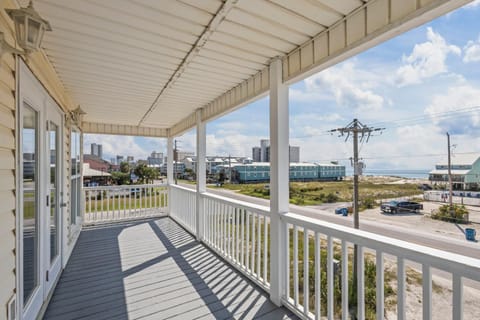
[(316, 192)]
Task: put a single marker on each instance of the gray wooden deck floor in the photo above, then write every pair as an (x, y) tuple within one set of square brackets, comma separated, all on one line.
[(153, 269)]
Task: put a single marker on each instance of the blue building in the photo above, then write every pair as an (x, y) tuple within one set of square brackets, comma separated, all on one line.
[(260, 172)]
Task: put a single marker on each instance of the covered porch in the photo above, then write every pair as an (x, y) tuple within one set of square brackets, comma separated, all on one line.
[(153, 269), (159, 69)]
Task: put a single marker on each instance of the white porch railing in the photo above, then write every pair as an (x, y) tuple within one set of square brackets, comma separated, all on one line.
[(317, 256), (183, 207), (337, 241), (115, 203), (239, 232)]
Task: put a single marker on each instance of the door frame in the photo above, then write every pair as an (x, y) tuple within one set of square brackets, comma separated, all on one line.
[(29, 90)]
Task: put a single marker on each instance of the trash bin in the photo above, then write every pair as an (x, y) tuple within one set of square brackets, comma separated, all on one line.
[(470, 234)]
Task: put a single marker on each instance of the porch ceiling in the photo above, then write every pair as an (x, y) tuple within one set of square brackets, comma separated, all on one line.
[(151, 64)]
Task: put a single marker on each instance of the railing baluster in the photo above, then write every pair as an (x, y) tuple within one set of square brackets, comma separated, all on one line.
[(247, 254), (295, 265), (401, 314), (305, 273), (243, 237), (344, 280), (380, 295), (318, 283), (101, 203), (252, 252), (361, 283), (259, 246), (90, 204), (237, 235), (288, 259), (229, 234), (330, 279), (265, 249), (457, 295), (427, 291), (107, 194)]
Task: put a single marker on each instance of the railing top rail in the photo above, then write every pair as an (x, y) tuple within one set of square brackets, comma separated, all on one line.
[(465, 266), (126, 186), (176, 186), (238, 203)]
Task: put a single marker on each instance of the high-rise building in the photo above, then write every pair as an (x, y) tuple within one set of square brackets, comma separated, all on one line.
[(119, 159), (294, 154), (264, 144), (130, 159), (256, 154), (96, 150)]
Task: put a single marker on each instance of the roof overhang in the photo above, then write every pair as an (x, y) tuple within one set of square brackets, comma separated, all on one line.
[(143, 67)]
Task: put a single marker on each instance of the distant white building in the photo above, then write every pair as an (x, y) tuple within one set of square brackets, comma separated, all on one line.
[(155, 159), (262, 153), (465, 170)]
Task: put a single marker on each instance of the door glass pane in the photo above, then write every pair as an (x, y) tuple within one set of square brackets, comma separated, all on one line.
[(30, 202), (75, 182), (54, 220)]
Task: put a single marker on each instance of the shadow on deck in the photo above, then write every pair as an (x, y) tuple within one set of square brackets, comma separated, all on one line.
[(153, 269)]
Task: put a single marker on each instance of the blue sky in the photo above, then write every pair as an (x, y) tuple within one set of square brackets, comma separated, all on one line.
[(417, 86)]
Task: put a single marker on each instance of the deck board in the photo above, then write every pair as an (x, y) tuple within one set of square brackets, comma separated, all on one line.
[(153, 269)]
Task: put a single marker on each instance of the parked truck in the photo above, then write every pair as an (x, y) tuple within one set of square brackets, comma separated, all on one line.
[(401, 206)]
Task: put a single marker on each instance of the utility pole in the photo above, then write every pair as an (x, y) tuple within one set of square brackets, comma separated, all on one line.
[(175, 159), (356, 128), (450, 175)]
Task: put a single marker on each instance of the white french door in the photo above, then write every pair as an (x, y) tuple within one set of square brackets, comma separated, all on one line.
[(39, 221)]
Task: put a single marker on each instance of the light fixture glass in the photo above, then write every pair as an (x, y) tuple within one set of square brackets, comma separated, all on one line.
[(29, 27)]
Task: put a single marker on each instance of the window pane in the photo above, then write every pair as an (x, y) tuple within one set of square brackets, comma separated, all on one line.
[(30, 201), (53, 140)]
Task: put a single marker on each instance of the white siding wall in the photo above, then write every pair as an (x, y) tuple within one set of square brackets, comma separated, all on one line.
[(7, 168), (43, 70)]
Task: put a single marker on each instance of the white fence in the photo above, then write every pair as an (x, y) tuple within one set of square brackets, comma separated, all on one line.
[(239, 232), (466, 198), (116, 203), (183, 207)]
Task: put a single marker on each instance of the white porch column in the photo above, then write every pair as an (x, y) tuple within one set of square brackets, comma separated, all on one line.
[(169, 172), (170, 160), (279, 178), (201, 172)]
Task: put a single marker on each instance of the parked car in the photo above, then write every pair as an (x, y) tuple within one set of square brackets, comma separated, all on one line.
[(401, 206)]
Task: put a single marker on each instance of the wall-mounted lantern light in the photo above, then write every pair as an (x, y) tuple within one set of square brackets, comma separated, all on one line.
[(29, 27)]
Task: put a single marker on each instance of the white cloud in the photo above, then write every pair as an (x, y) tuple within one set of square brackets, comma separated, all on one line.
[(472, 51), (124, 145), (472, 4), (457, 111), (348, 85), (427, 60)]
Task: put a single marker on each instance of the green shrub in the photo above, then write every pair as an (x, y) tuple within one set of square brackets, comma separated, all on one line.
[(460, 214), (331, 197), (368, 203)]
